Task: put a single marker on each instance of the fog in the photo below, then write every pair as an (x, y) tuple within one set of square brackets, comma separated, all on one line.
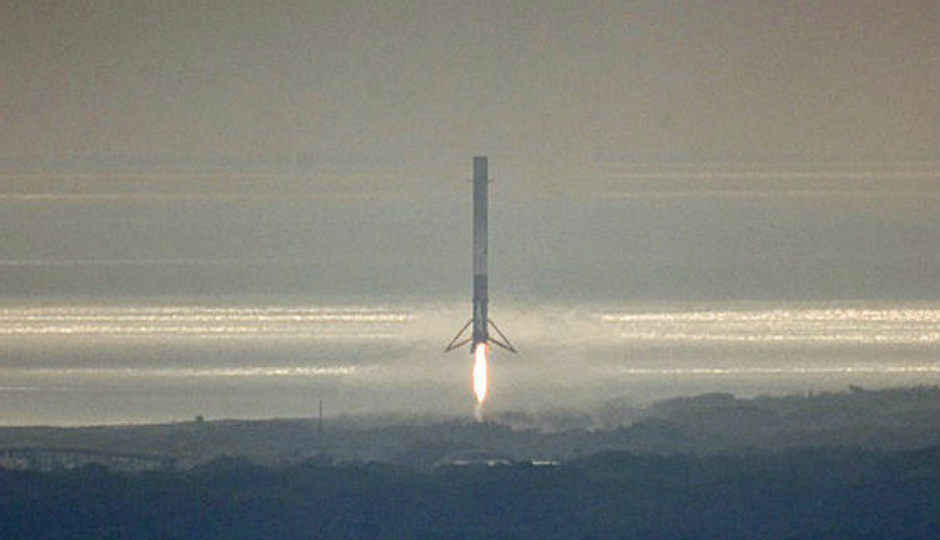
[(423, 85), (729, 244), (686, 155), (638, 150)]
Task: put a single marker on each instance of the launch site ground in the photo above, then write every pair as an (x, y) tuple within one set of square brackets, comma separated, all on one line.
[(852, 464), (892, 419)]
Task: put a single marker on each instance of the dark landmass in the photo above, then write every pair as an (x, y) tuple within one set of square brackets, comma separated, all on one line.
[(855, 464), (892, 419), (811, 493)]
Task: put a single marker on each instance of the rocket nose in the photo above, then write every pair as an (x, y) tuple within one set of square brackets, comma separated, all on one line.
[(479, 167)]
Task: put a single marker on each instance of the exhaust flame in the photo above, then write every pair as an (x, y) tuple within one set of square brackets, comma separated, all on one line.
[(479, 377)]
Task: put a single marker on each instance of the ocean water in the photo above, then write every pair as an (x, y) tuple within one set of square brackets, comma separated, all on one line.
[(74, 363), (160, 297)]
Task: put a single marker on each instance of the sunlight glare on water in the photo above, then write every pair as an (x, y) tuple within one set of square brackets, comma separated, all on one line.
[(89, 363), (799, 326), (360, 323)]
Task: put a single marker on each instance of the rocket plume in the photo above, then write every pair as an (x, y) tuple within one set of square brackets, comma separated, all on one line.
[(479, 372), (479, 377)]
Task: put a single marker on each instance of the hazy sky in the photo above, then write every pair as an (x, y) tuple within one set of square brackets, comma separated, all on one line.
[(421, 83), (253, 153), (811, 126)]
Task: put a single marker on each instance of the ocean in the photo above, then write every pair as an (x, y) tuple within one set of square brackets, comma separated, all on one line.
[(79, 364), (162, 297)]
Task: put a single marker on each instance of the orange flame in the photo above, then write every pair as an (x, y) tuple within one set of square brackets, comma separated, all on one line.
[(479, 373)]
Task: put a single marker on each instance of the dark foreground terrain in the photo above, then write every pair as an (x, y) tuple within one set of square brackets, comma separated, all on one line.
[(821, 493), (854, 464), (891, 419)]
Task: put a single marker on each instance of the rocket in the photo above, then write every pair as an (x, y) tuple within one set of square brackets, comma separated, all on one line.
[(480, 320)]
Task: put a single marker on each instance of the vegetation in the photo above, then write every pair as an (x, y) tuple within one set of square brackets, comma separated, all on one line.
[(855, 464), (892, 419), (810, 493)]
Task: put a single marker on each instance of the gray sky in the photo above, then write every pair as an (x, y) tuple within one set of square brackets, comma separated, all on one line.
[(731, 149), (420, 84)]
